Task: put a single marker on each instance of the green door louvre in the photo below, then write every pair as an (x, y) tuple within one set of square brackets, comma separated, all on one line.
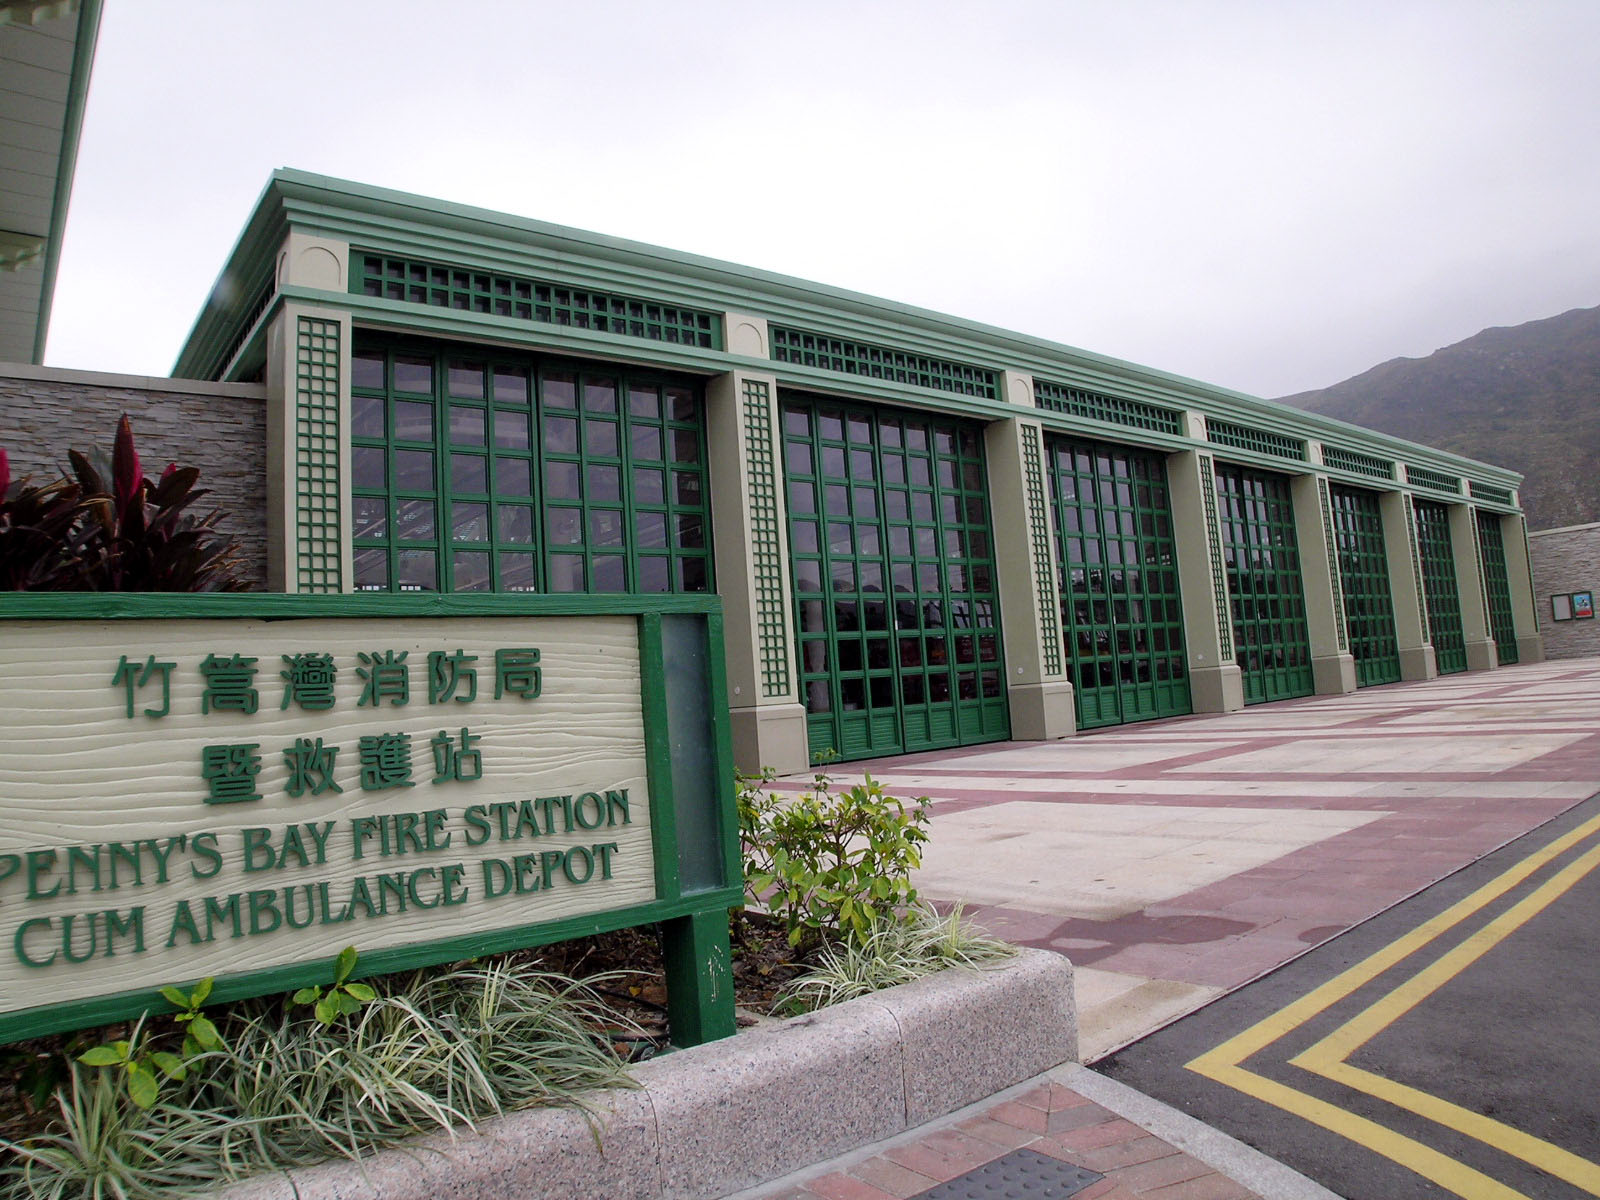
[(893, 567), (1364, 579), (1439, 587), (1272, 642), (1497, 588), (1120, 605)]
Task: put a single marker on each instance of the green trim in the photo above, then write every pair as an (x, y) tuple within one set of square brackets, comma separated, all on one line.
[(1260, 441), (1436, 481), (1494, 495), (1266, 588), (318, 513), (882, 362), (102, 1010), (658, 756), (1214, 555), (1340, 459), (717, 682), (1497, 588), (134, 606), (766, 540), (83, 50), (1439, 587), (1364, 584), (1114, 410), (1045, 567), (1408, 505), (1335, 575)]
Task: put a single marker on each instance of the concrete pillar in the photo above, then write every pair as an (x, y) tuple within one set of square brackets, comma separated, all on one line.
[(1481, 655), (308, 449), (1037, 687), (1524, 613), (749, 533), (1405, 584), (1332, 665), (1215, 682)]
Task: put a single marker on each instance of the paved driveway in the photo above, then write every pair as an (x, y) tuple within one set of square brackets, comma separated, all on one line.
[(1177, 861)]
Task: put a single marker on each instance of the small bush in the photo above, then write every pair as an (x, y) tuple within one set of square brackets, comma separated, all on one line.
[(109, 528), (832, 865), (892, 952)]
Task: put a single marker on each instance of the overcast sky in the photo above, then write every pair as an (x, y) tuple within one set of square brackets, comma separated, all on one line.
[(1268, 196)]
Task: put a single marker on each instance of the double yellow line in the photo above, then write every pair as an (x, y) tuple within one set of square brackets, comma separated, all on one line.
[(1328, 1058)]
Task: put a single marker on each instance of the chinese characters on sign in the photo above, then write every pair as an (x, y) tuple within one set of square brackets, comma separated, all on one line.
[(310, 681)]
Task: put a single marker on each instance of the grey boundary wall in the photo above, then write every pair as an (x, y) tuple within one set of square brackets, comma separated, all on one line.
[(219, 427), (1565, 560), (731, 1114)]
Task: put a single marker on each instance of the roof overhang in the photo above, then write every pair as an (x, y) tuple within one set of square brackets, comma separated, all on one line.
[(46, 55)]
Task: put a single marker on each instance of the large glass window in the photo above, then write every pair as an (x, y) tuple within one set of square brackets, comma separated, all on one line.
[(495, 473)]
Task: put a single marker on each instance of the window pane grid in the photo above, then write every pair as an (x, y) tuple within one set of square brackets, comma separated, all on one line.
[(1439, 586), (1364, 584)]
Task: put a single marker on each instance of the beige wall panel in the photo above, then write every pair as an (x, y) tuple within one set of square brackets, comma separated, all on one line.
[(76, 771)]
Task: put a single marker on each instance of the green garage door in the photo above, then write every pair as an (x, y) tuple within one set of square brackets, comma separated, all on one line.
[(1364, 578), (1120, 605), (1497, 587), (1439, 585), (1272, 643), (894, 581)]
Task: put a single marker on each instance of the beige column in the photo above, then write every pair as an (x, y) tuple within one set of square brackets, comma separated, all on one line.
[(1524, 614), (1405, 586), (1481, 654), (1038, 689), (1332, 665), (1215, 682), (749, 532)]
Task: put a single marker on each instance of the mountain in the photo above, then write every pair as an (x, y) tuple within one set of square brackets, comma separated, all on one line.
[(1525, 397)]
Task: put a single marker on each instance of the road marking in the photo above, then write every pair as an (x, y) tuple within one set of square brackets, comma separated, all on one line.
[(1222, 1064)]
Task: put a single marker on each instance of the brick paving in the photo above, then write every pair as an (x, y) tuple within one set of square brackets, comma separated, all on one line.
[(1050, 1119), (1383, 792)]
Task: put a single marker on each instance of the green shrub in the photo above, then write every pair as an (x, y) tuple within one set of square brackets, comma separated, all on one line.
[(832, 865), (109, 528)]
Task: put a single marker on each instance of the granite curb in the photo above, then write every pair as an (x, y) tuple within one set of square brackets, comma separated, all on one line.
[(732, 1114)]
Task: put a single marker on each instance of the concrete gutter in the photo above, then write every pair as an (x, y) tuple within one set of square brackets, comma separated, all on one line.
[(732, 1114)]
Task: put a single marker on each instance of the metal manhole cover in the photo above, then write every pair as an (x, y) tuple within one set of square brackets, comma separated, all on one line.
[(1022, 1175)]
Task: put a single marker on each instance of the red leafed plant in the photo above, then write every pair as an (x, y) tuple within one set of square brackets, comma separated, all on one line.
[(109, 528)]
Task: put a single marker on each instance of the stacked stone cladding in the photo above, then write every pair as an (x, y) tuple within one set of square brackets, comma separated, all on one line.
[(1564, 561), (219, 428)]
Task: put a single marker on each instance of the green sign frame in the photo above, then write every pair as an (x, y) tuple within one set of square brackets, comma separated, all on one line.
[(689, 769)]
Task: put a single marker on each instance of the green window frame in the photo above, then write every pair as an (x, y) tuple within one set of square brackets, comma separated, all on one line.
[(1497, 588), (1364, 583), (896, 597), (1121, 608), (1439, 586), (479, 471), (1266, 590)]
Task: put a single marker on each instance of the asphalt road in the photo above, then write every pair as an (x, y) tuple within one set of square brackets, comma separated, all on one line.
[(1449, 1046)]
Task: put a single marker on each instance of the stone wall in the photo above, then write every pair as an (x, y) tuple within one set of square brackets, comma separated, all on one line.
[(219, 427), (1565, 560)]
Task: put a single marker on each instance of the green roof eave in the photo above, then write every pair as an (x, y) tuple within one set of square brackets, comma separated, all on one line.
[(386, 221)]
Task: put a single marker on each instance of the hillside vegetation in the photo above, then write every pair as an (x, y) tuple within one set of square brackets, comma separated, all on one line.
[(1525, 397)]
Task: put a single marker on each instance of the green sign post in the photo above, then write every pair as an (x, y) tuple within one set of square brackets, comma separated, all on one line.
[(239, 786)]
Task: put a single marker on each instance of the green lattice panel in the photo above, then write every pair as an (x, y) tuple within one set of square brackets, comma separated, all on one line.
[(1416, 566), (1357, 463), (1494, 495), (766, 555), (1497, 587), (1439, 586), (1340, 629), (1242, 437), (1079, 402), (891, 553), (319, 528), (1272, 643), (880, 362), (467, 290), (1364, 581), (476, 472), (1039, 542), (1436, 481), (1215, 556), (1120, 601)]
